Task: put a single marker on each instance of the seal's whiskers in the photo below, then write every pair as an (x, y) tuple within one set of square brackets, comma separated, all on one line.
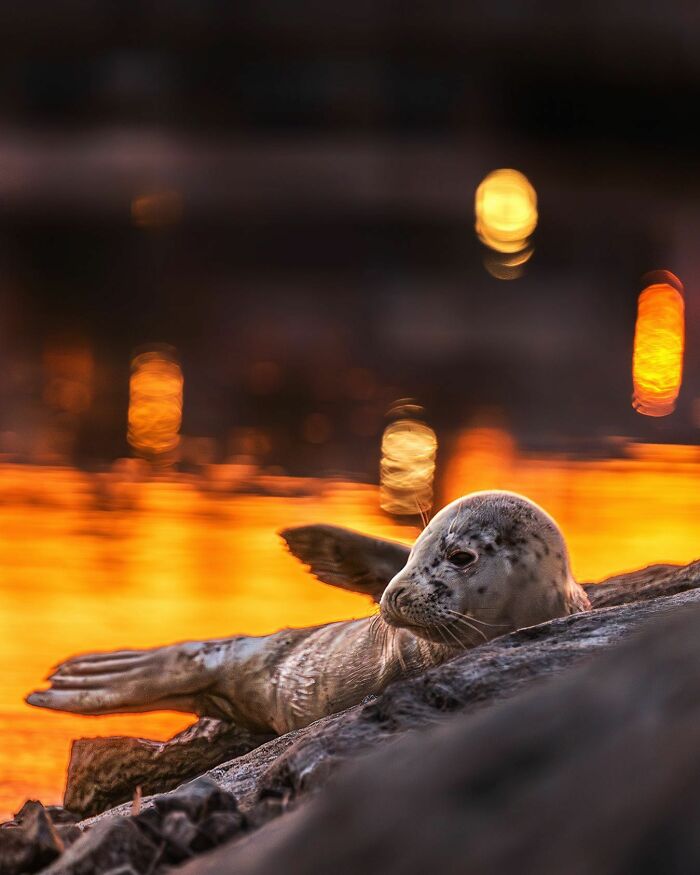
[(397, 650), (378, 633), (440, 629), (469, 617), (459, 618), (449, 631)]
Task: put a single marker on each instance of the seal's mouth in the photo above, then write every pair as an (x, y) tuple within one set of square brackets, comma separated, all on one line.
[(393, 615), (445, 632), (430, 631), (398, 622)]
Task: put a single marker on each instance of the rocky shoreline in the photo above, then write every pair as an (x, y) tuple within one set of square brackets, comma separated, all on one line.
[(246, 782)]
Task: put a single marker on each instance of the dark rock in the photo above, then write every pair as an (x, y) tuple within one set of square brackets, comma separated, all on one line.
[(113, 843), (59, 814), (215, 829), (593, 773), (29, 842), (178, 832), (197, 799), (69, 833), (106, 771), (197, 817)]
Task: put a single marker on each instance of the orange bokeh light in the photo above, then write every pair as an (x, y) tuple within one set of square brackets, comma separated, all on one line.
[(657, 363), (155, 404)]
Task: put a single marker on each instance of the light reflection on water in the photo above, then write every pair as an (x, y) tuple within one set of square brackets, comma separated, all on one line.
[(171, 563), (617, 514), (89, 563)]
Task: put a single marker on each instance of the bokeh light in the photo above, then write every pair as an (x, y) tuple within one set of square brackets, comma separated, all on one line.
[(407, 468), (505, 206), (657, 363), (157, 209), (155, 404), (505, 266)]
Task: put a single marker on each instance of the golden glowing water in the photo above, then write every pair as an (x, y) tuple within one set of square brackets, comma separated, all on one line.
[(617, 514), (89, 562), (85, 565)]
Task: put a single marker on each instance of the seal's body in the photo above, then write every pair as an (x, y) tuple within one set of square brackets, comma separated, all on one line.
[(487, 564)]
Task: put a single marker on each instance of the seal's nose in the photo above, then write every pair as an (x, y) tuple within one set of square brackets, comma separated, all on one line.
[(394, 597), (391, 603)]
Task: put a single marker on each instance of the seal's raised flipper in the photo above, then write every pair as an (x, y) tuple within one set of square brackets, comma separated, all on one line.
[(345, 558), (128, 681)]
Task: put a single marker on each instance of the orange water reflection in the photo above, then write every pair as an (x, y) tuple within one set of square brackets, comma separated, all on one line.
[(87, 565), (94, 562), (640, 507)]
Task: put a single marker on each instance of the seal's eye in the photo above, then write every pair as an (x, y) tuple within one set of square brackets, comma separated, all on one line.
[(462, 558)]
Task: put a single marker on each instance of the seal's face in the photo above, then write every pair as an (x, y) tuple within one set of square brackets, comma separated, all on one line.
[(485, 565)]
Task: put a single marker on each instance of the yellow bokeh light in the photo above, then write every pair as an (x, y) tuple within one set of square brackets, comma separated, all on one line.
[(506, 210), (657, 363), (155, 404), (407, 468)]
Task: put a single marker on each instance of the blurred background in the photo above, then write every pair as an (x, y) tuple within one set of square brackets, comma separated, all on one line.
[(240, 276), (309, 246)]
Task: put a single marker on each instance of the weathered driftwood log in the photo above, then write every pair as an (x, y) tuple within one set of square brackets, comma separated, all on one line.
[(289, 766), (640, 586), (106, 771), (594, 773)]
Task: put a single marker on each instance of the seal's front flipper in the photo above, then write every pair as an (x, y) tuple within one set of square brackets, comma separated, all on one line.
[(125, 681), (345, 558)]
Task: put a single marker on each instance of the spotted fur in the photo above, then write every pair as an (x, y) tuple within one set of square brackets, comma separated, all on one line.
[(520, 577)]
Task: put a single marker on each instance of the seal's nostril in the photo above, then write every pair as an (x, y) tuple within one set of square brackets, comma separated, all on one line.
[(398, 592)]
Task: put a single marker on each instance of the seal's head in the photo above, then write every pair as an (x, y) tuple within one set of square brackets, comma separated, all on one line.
[(487, 564)]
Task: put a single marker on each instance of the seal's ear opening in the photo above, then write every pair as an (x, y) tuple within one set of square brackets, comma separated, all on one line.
[(347, 559)]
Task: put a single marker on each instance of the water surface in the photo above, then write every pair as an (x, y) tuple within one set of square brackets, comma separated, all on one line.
[(95, 562)]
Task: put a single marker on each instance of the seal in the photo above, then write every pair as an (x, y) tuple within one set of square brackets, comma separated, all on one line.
[(487, 564)]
